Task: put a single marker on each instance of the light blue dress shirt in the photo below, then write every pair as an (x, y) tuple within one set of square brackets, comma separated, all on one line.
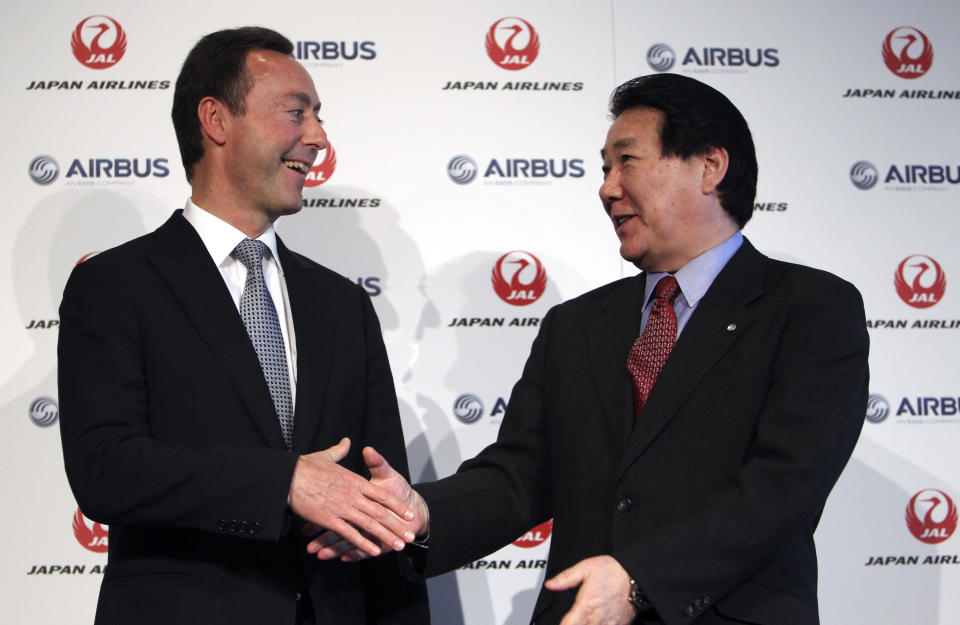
[(694, 279)]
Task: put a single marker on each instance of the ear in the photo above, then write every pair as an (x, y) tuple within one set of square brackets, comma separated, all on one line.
[(715, 163), (213, 115)]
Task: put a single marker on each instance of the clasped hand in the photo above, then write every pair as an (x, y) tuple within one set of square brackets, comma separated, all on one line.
[(603, 583), (335, 544), (371, 517)]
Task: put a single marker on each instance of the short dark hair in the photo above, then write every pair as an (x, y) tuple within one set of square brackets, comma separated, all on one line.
[(216, 67), (697, 117)]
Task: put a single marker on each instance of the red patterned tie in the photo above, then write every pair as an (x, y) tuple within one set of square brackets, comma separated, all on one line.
[(651, 348)]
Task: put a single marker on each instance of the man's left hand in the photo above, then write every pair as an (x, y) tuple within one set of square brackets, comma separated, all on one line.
[(602, 598)]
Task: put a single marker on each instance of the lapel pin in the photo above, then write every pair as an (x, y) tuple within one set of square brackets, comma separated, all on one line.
[(731, 327)]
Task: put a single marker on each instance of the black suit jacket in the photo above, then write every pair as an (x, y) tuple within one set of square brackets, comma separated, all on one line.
[(709, 502), (170, 436)]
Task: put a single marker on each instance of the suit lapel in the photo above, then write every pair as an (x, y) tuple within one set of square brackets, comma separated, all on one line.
[(184, 263), (716, 324), (610, 337), (315, 329)]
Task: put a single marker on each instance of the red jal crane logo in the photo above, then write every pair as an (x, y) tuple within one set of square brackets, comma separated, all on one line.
[(512, 43), (931, 516), (321, 172), (527, 282), (907, 52), (98, 42), (91, 535), (920, 282), (536, 536)]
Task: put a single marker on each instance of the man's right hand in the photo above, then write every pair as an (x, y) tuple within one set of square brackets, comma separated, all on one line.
[(332, 543), (331, 497)]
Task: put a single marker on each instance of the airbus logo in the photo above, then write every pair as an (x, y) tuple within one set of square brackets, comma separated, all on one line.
[(462, 169), (468, 408), (661, 57), (44, 411), (864, 175), (44, 169), (878, 409)]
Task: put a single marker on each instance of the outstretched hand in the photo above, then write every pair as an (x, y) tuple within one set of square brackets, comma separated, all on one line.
[(602, 598), (331, 497), (334, 543)]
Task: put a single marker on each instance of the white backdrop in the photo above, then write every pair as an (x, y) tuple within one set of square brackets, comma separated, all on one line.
[(809, 77)]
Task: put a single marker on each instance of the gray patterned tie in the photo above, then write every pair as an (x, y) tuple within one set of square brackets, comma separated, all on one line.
[(260, 317)]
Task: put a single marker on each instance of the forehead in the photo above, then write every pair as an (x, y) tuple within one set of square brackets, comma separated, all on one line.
[(277, 75), (635, 127)]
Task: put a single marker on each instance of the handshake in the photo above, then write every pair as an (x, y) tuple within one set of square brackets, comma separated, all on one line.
[(358, 518), (353, 518)]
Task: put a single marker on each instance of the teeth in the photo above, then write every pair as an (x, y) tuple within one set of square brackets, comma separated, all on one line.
[(296, 165)]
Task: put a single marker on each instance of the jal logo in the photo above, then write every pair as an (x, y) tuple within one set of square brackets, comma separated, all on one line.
[(322, 171), (98, 42), (907, 52), (519, 278), (661, 57), (931, 516), (512, 43), (87, 256), (90, 534), (920, 282), (536, 536)]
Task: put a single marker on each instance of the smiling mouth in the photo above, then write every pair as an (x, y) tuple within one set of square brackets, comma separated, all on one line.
[(622, 219), (297, 166)]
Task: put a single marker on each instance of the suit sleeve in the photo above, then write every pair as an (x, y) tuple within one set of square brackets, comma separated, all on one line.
[(118, 472), (804, 434)]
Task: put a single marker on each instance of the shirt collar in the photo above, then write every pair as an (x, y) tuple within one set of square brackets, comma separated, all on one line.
[(697, 275), (220, 238)]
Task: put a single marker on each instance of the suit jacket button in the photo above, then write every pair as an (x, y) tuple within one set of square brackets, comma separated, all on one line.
[(624, 504), (255, 528), (688, 611), (221, 525)]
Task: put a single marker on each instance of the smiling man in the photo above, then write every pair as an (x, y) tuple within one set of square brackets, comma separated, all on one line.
[(682, 427), (216, 387)]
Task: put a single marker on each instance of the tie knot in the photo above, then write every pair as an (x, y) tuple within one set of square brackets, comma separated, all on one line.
[(249, 252), (666, 289)]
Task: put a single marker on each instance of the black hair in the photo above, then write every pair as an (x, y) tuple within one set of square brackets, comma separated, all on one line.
[(216, 67), (697, 117)]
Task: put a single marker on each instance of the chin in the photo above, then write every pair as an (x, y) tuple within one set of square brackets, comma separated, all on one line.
[(631, 256), (292, 206)]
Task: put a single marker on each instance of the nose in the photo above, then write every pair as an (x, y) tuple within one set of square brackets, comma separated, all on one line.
[(315, 137), (610, 190)]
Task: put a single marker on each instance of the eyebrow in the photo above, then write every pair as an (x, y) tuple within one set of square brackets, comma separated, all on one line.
[(623, 142), (305, 100)]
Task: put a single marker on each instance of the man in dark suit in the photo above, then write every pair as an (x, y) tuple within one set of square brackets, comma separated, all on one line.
[(203, 366), (682, 427)]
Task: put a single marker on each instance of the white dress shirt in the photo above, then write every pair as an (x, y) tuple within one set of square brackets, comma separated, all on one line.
[(220, 238)]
